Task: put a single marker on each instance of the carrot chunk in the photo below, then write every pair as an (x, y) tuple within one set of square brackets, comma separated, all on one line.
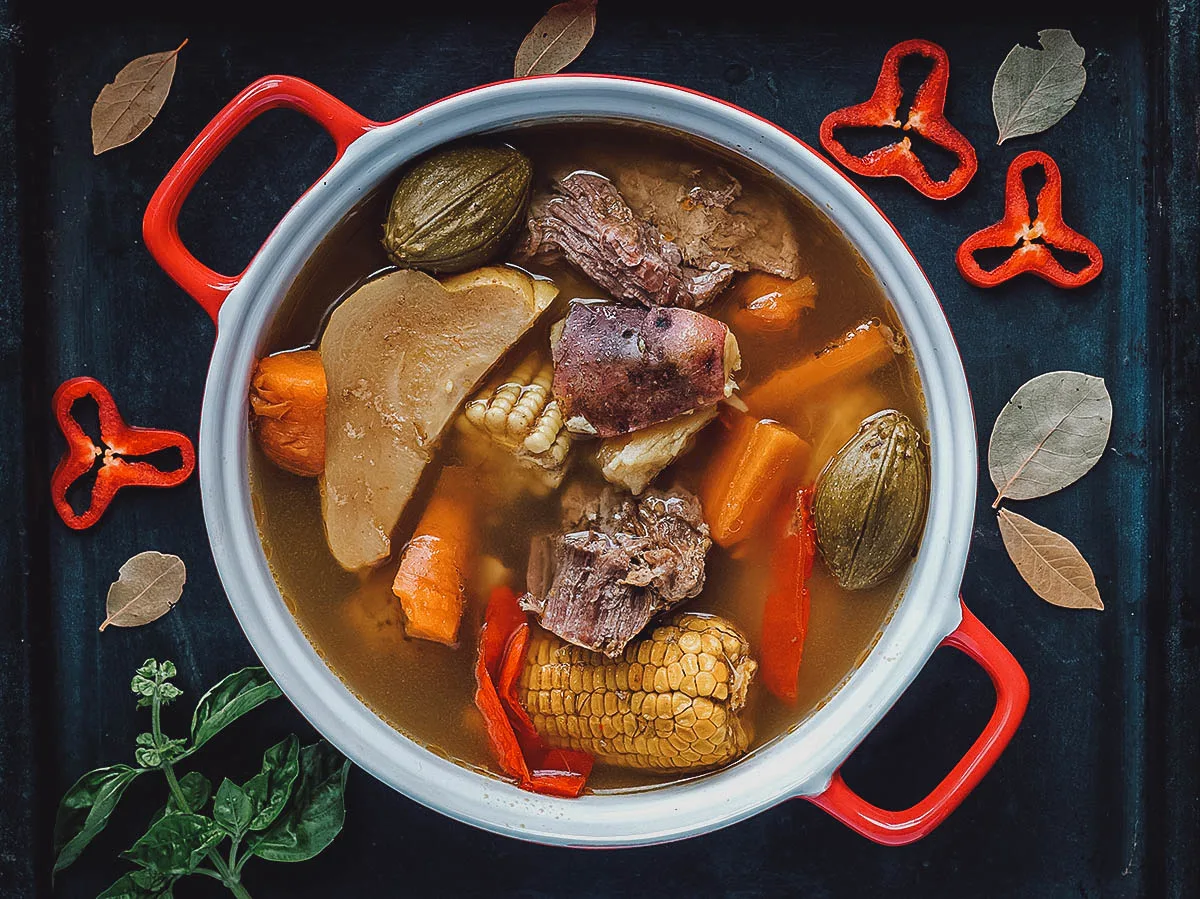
[(769, 304), (431, 580), (868, 347), (785, 613), (287, 397), (755, 461)]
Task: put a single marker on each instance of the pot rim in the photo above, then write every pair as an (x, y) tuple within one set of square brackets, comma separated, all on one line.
[(799, 763)]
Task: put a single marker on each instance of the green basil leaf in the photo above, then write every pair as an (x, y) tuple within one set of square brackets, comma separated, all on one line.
[(196, 789), (175, 844), (315, 813), (169, 693), (232, 809), (148, 669), (139, 884), (150, 756), (173, 750), (141, 685), (270, 788), (125, 888), (229, 700), (86, 808)]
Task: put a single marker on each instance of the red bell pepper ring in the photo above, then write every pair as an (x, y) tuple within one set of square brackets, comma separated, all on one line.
[(1030, 238), (121, 442), (518, 748), (785, 614), (926, 117)]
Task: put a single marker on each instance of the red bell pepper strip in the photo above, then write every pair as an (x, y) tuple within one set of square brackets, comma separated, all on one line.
[(1030, 238), (121, 441), (785, 615), (926, 117), (518, 748)]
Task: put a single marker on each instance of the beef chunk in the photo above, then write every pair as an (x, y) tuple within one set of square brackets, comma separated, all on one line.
[(620, 368), (585, 220), (710, 216), (617, 563)]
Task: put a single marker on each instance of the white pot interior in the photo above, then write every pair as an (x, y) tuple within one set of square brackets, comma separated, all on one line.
[(797, 764)]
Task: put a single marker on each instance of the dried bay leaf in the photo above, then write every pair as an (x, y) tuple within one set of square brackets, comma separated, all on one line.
[(1049, 563), (1049, 435), (127, 106), (147, 587), (1034, 89), (557, 39)]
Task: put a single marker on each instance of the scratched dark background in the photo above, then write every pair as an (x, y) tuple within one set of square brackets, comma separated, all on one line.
[(1096, 796)]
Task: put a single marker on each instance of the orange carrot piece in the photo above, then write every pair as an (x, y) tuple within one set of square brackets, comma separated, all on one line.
[(868, 347), (769, 304), (785, 613), (431, 580), (755, 461), (287, 397)]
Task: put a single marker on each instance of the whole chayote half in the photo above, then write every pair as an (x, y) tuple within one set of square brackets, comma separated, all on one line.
[(458, 208), (871, 498)]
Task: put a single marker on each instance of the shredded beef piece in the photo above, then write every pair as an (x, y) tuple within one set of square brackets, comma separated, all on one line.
[(617, 563), (585, 220)]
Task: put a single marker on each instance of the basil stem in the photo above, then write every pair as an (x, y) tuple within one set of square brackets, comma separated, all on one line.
[(225, 875)]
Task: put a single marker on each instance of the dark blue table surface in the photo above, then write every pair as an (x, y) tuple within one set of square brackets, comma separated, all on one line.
[(1096, 794)]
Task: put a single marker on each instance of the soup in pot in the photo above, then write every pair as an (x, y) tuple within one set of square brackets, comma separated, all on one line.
[(588, 456)]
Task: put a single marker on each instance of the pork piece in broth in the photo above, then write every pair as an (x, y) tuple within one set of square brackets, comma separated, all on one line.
[(711, 217), (585, 220), (617, 563)]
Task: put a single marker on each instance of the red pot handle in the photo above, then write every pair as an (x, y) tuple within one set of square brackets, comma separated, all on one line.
[(1012, 696), (160, 226)]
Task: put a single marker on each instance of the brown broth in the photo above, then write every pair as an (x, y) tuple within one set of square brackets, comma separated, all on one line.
[(426, 690)]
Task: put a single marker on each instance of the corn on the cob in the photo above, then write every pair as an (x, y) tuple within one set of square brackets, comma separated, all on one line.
[(672, 701), (520, 416)]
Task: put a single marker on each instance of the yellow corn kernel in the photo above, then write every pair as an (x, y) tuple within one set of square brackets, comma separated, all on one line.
[(526, 413), (546, 430), (656, 706)]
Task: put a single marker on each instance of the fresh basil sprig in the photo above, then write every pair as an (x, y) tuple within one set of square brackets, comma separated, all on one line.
[(289, 811)]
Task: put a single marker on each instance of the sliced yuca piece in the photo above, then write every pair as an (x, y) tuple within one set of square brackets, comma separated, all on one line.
[(634, 460), (401, 354), (539, 291)]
